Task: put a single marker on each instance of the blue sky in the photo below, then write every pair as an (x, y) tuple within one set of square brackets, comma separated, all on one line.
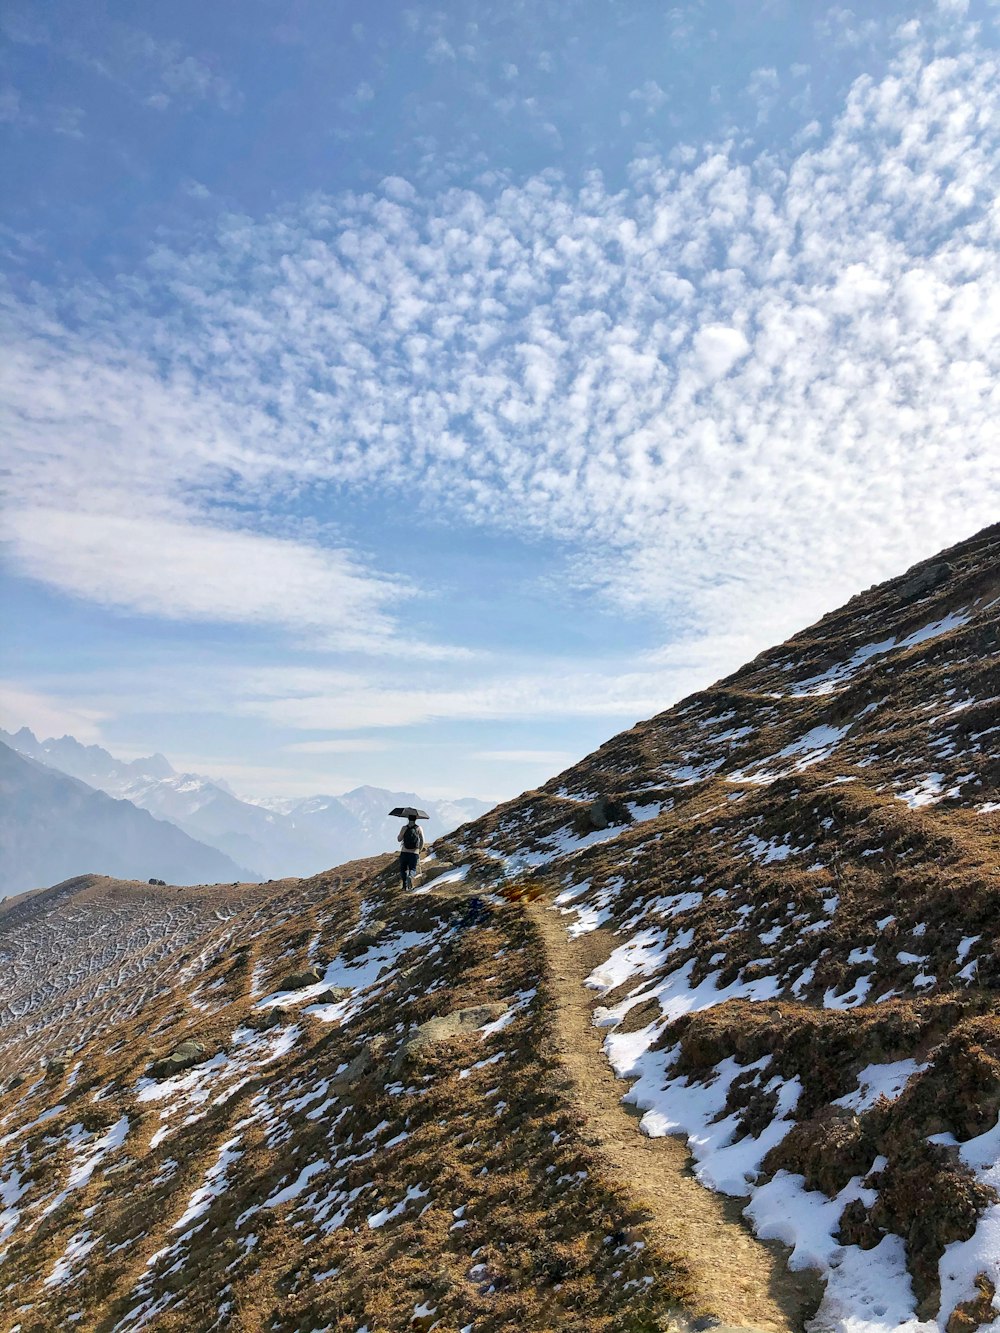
[(419, 395)]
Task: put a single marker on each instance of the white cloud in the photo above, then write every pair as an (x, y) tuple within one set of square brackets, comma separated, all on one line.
[(650, 97), (313, 699), (158, 71), (341, 745), (717, 349), (547, 758), (737, 391), (191, 571), (47, 716)]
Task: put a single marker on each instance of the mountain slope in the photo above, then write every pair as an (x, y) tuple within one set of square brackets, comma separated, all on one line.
[(783, 895), (325, 1161), (52, 826), (791, 882)]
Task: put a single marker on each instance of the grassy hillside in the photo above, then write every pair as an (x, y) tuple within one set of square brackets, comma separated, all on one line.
[(326, 1163), (795, 881), (783, 895)]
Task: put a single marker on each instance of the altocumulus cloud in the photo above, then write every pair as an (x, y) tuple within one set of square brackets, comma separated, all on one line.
[(738, 390)]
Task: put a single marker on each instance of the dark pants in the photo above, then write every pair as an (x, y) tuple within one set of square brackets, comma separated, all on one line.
[(407, 865)]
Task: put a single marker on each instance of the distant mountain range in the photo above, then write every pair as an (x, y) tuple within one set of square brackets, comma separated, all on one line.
[(53, 827), (268, 839)]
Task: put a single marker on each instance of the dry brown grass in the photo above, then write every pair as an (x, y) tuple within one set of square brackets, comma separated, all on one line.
[(547, 1240)]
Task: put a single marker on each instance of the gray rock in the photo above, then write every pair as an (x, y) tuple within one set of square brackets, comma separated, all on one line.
[(606, 813), (431, 869), (924, 580), (460, 1023), (333, 995), (364, 939), (597, 813), (185, 1055), (264, 1019), (362, 1065), (299, 980)]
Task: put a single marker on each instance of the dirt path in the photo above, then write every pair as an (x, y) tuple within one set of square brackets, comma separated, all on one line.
[(739, 1279)]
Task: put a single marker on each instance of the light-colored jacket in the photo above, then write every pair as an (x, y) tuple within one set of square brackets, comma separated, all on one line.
[(420, 839)]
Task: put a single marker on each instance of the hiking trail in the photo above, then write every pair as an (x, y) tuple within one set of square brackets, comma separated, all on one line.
[(741, 1280)]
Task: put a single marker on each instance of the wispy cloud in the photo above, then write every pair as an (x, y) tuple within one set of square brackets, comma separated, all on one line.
[(156, 71), (736, 391), (190, 571), (547, 758), (650, 96), (342, 745), (314, 699), (45, 715)]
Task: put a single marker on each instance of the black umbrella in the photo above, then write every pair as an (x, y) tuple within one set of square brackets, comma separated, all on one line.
[(408, 812)]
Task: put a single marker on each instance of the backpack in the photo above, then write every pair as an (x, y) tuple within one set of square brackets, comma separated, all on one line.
[(411, 838)]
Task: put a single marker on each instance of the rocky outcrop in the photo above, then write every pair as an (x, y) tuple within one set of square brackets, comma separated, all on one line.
[(182, 1057), (300, 980)]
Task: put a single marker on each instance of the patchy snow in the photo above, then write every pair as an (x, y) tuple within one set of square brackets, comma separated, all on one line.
[(866, 955), (212, 1186), (87, 1153), (293, 1190), (964, 946), (12, 1189), (455, 876), (768, 851), (874, 1081), (77, 1248), (589, 916), (641, 956), (357, 975), (215, 1081), (384, 1215), (963, 1260), (519, 1002), (674, 992), (851, 998), (842, 672), (954, 620), (866, 1290), (928, 790), (641, 813), (686, 774), (815, 745)]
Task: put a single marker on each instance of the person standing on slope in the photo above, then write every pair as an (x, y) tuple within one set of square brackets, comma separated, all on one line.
[(411, 840)]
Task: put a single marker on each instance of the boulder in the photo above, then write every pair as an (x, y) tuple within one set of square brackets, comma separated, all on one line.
[(605, 813), (261, 1020), (447, 1027), (300, 980), (923, 580), (362, 1064), (185, 1055), (597, 813), (333, 995), (430, 870), (364, 940)]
